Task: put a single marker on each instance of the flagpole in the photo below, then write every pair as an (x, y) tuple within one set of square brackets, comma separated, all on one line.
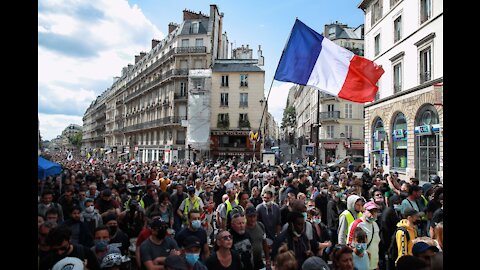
[(270, 89)]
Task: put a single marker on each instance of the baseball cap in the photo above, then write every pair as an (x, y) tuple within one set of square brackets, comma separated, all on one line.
[(69, 263), (157, 223), (370, 205), (175, 262), (250, 211), (421, 247), (315, 263), (191, 241), (409, 211)]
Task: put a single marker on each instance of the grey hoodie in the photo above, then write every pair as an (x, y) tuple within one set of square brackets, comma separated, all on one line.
[(342, 222)]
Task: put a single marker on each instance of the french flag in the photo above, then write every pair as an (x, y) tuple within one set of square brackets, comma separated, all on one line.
[(311, 59)]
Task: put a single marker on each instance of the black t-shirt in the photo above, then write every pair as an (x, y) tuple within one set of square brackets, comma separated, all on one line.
[(243, 245), (437, 217), (185, 232), (78, 251), (213, 262)]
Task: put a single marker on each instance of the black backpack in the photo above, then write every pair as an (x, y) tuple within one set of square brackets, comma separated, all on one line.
[(393, 248)]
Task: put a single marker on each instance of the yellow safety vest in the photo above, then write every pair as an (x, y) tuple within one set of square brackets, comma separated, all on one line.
[(229, 206), (350, 219), (196, 205)]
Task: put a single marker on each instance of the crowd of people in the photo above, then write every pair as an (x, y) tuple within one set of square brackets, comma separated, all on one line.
[(230, 214)]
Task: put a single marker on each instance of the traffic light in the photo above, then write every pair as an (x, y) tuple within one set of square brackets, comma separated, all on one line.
[(189, 147)]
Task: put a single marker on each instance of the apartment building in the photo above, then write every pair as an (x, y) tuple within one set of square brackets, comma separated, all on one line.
[(403, 126), (237, 105)]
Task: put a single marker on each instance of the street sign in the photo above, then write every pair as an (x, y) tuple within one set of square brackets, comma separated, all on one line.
[(253, 136), (307, 150)]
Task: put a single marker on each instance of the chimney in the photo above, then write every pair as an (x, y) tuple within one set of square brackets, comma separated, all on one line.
[(260, 56), (137, 58), (171, 27), (155, 43), (142, 54)]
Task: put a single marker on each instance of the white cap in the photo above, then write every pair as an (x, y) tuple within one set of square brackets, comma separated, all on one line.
[(69, 263)]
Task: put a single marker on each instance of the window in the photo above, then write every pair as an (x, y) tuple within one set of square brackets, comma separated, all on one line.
[(427, 146), (183, 64), (377, 44), (243, 99), (185, 43), (224, 80), (377, 11), (425, 65), (348, 110), (194, 28), (183, 89), (224, 99), (348, 131), (399, 142), (243, 117), (223, 120), (198, 64), (425, 10), (243, 80), (198, 83), (377, 95), (397, 28), (199, 42), (397, 78), (331, 32), (330, 130), (330, 107)]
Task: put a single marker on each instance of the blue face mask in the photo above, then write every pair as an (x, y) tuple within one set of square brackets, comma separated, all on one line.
[(192, 258), (316, 220), (196, 224), (371, 219), (101, 244), (304, 216), (361, 247)]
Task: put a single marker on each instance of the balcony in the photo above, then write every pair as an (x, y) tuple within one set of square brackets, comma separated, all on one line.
[(244, 124), (180, 97), (329, 116), (169, 120), (223, 124), (157, 80), (157, 63), (183, 50)]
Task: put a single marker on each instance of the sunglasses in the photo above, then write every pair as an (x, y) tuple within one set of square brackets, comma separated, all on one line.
[(226, 237)]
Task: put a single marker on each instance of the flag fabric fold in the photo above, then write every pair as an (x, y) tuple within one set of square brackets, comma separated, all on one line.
[(311, 59)]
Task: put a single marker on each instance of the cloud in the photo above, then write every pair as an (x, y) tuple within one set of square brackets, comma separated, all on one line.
[(82, 45), (52, 125), (278, 100)]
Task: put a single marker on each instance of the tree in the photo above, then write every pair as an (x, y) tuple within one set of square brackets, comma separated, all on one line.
[(289, 117), (76, 140)]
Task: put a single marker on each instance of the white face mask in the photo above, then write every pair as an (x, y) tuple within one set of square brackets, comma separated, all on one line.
[(89, 209), (48, 205)]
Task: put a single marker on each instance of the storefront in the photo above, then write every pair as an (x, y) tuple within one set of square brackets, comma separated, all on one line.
[(232, 143), (399, 143), (377, 154)]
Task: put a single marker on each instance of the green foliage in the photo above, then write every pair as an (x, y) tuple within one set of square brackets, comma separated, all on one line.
[(76, 140), (289, 117)]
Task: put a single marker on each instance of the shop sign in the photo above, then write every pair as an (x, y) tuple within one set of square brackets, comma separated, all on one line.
[(423, 130)]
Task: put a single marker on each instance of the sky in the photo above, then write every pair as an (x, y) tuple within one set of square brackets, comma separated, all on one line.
[(83, 45)]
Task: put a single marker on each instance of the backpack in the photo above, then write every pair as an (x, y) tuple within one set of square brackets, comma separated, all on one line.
[(393, 248)]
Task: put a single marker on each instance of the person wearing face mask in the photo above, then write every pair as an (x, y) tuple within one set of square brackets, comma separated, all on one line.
[(389, 219), (194, 229), (404, 243), (90, 216), (359, 246), (192, 253), (368, 223), (102, 243), (269, 214), (157, 247), (117, 237), (320, 230)]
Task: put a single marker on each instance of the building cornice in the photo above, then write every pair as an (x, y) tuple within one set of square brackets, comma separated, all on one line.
[(405, 92)]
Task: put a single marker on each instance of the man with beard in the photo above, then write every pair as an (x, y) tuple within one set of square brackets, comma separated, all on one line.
[(106, 205), (269, 214), (80, 231), (60, 247)]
